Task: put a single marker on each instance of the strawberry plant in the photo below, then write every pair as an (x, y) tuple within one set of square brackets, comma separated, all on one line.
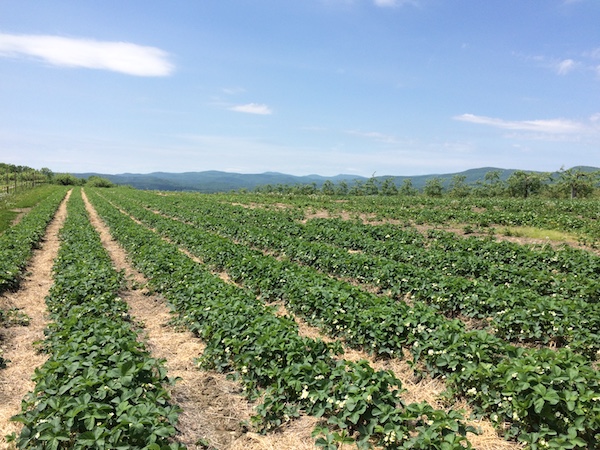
[(384, 325), (99, 388), (290, 373), (17, 242), (514, 311)]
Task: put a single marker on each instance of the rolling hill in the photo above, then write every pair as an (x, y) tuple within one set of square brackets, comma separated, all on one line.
[(217, 181)]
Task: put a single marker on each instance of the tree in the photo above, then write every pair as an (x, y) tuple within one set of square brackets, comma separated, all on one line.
[(47, 173), (433, 187), (264, 189), (523, 184), (357, 188), (407, 188), (371, 187), (494, 186), (459, 186), (66, 179), (341, 188), (328, 188), (577, 183), (281, 188), (388, 187), (96, 181), (309, 189)]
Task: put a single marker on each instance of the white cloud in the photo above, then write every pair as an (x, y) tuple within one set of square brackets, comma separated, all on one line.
[(252, 108), (586, 62), (378, 3), (376, 136), (593, 54), (565, 66), (393, 3), (233, 90), (551, 126), (123, 57)]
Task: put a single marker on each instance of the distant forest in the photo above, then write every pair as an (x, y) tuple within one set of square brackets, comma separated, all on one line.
[(571, 183), (576, 182)]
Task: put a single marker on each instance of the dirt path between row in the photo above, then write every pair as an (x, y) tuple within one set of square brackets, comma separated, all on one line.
[(18, 341), (214, 409)]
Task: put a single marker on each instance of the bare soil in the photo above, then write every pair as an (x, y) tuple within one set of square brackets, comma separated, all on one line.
[(20, 214), (18, 342), (458, 229)]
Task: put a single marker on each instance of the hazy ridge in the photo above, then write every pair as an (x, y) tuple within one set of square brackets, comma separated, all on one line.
[(218, 181)]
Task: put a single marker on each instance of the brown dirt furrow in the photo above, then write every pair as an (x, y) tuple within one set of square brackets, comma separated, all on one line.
[(18, 342), (20, 214), (214, 408)]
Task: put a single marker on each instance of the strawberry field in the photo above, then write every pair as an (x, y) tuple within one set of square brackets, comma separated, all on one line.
[(512, 328)]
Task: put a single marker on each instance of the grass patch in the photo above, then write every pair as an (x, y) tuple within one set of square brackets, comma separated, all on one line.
[(11, 203), (539, 233), (6, 218)]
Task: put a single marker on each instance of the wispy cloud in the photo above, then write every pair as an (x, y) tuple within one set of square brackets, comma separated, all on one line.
[(593, 54), (565, 66), (123, 57), (586, 61), (252, 108), (559, 66), (378, 3), (393, 3), (233, 90), (375, 135), (551, 126)]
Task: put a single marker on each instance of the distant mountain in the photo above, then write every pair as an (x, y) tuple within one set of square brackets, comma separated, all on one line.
[(471, 176), (214, 181), (217, 181)]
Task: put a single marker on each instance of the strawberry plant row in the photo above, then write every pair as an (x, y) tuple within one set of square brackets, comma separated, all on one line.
[(547, 396), (505, 293), (496, 262), (579, 216), (17, 242), (291, 373), (515, 313), (100, 388), (567, 272)]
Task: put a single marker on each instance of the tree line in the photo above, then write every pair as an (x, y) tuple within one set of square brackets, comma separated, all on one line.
[(570, 183), (14, 178)]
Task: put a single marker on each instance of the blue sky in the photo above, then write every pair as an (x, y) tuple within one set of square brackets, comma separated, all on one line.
[(391, 87)]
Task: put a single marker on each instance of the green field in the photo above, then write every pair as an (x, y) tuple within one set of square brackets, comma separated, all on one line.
[(496, 297)]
